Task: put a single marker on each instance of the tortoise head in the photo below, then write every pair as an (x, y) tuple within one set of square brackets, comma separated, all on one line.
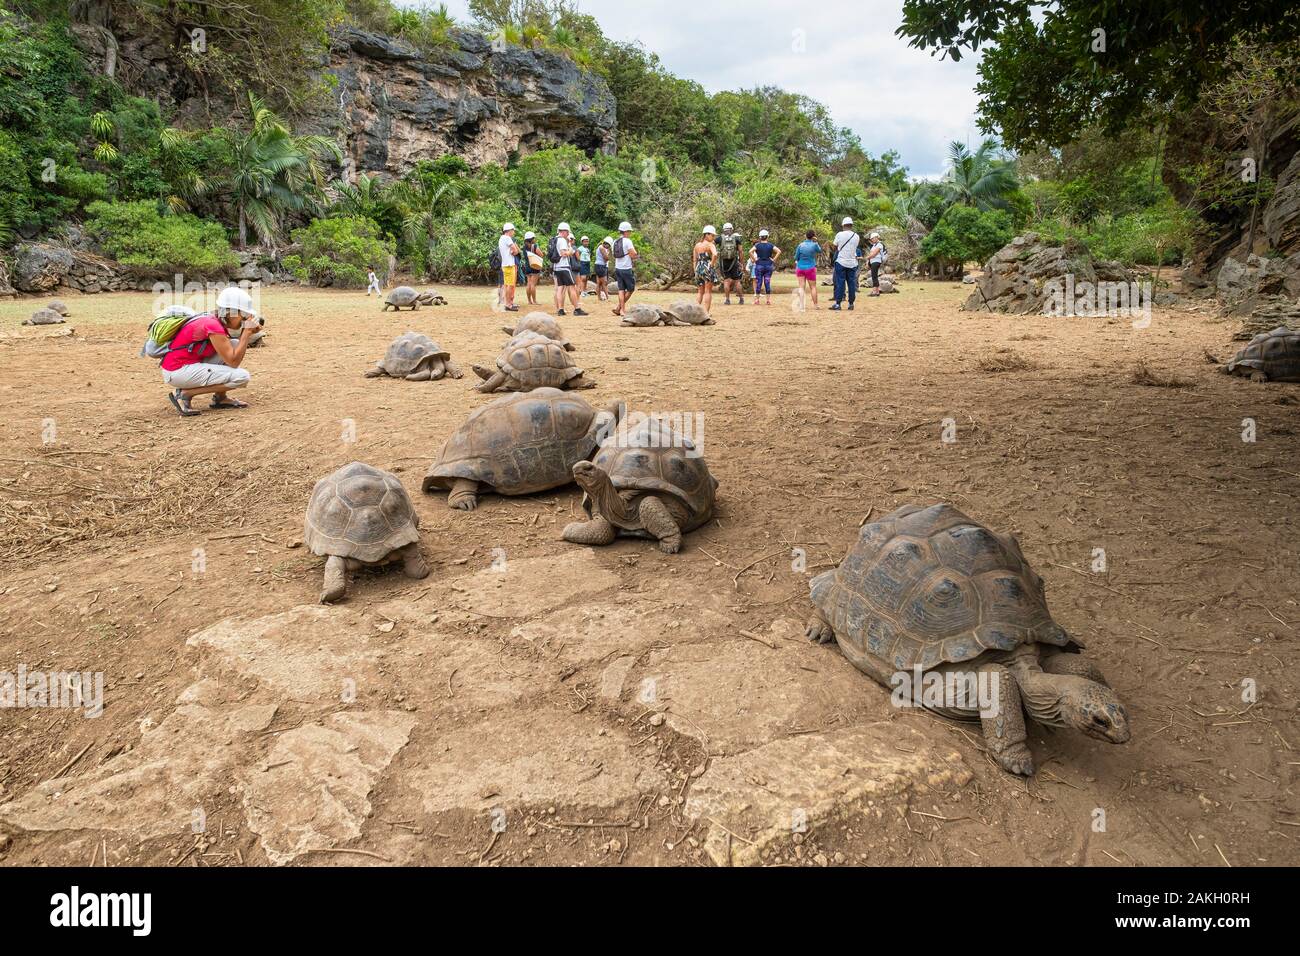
[(1093, 709), (601, 493)]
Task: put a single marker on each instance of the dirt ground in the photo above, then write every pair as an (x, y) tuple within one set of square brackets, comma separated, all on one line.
[(537, 702)]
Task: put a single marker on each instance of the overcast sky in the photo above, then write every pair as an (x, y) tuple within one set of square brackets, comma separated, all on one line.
[(891, 95)]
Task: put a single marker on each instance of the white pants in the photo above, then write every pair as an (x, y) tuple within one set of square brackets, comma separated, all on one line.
[(203, 375), (374, 287)]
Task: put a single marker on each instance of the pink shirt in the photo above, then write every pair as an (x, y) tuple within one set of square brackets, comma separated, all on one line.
[(198, 329)]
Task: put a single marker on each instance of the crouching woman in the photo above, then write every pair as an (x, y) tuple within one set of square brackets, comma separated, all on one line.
[(204, 356)]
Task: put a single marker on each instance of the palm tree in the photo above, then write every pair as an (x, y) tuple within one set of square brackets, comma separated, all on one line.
[(270, 172), (982, 179)]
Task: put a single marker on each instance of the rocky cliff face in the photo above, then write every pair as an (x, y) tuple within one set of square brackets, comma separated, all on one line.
[(393, 105)]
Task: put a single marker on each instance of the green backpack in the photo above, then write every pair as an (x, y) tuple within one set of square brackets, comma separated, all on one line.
[(163, 329), (728, 248)]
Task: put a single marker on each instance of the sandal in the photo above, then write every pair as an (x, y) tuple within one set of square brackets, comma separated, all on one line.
[(228, 403), (182, 405)]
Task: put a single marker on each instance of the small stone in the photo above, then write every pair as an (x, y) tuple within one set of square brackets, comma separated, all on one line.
[(657, 720)]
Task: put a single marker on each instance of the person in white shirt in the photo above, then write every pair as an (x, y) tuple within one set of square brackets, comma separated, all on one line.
[(846, 254), (373, 279), (875, 259), (565, 257), (625, 255), (509, 252)]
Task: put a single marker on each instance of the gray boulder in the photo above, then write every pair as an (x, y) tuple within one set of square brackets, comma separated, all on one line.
[(39, 267)]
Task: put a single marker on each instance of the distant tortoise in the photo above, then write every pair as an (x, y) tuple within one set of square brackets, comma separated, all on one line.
[(930, 590), (361, 516), (44, 317), (647, 483), (529, 363), (519, 444), (402, 297), (1269, 357), (429, 297), (644, 315), (687, 312), (416, 358), (542, 324), (57, 306)]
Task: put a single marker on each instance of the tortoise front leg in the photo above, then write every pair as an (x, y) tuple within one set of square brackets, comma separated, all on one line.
[(375, 372), (658, 520), (422, 374), (452, 369), (1063, 662), (819, 630), (413, 563), (1004, 725), (596, 531), (492, 383), (463, 495), (336, 580)]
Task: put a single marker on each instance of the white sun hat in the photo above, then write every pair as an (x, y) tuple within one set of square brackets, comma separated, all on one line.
[(848, 221), (762, 233), (624, 226), (607, 240), (529, 235), (709, 231), (727, 227), (508, 227), (874, 235), (236, 299), (562, 227), (585, 239)]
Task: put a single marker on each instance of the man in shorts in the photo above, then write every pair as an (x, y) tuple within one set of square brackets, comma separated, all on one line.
[(729, 263), (584, 264), (509, 252), (625, 256), (566, 286)]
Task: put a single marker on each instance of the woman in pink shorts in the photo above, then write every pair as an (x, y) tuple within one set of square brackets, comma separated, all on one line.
[(805, 268)]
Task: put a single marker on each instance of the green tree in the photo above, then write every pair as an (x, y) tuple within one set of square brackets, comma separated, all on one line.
[(982, 178), (964, 234)]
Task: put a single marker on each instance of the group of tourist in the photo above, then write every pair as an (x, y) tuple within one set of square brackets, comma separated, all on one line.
[(717, 261), (573, 263)]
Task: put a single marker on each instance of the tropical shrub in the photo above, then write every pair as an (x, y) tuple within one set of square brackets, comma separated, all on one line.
[(339, 251), (138, 234)]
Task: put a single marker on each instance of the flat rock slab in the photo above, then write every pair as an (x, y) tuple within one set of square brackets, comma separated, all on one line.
[(735, 695), (764, 794), (152, 790), (525, 587), (313, 792), (530, 757), (593, 631)]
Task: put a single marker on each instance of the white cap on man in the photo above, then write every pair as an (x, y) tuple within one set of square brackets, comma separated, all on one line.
[(624, 226), (508, 227), (848, 221), (727, 227), (585, 239), (709, 231), (233, 298), (762, 233), (562, 227)]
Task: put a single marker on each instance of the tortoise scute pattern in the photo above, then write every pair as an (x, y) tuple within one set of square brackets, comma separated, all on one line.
[(1275, 353), (360, 512), (652, 457), (408, 351), (924, 587), (521, 443), (543, 364)]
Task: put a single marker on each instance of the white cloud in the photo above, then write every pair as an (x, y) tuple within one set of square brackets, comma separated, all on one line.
[(891, 95)]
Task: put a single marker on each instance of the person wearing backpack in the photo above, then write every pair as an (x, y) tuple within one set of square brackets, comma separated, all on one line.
[(846, 254), (531, 263), (729, 261), (625, 256), (563, 255), (877, 256), (201, 359)]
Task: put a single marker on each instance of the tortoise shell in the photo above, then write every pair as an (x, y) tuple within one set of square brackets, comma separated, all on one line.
[(927, 586), (408, 352), (57, 305), (44, 317), (643, 315), (653, 457), (540, 363), (543, 325), (1275, 353), (520, 443), (684, 310), (360, 512), (402, 295)]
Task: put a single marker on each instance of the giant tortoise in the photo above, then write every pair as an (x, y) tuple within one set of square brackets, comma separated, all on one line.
[(542, 324), (360, 516), (531, 361), (930, 601), (1272, 356), (645, 482), (416, 358), (519, 444), (403, 297)]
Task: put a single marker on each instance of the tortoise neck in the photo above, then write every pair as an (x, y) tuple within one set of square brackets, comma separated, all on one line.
[(608, 502)]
